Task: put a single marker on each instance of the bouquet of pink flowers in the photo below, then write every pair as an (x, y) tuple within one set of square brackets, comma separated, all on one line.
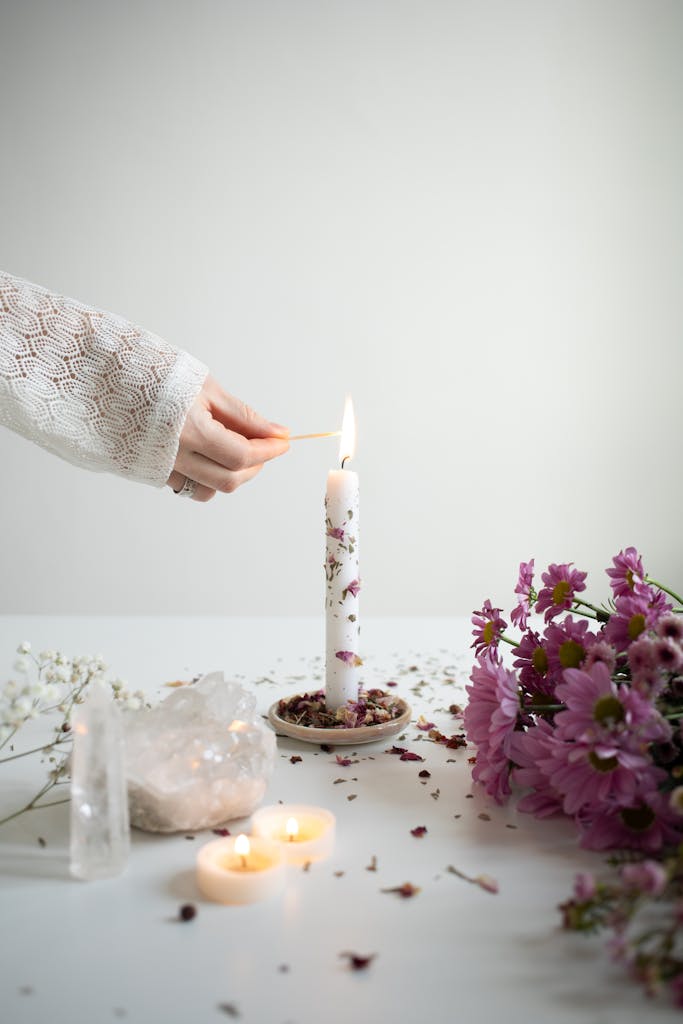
[(586, 724)]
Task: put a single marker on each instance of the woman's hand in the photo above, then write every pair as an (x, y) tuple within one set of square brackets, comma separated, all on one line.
[(223, 443)]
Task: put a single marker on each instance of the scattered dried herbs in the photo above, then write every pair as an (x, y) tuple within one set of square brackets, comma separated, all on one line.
[(405, 891), (373, 707), (358, 963)]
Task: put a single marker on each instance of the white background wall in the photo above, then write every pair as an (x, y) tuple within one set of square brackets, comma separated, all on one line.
[(467, 214)]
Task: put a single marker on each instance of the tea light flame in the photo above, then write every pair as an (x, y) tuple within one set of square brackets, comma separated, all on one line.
[(347, 445), (242, 848), (292, 828)]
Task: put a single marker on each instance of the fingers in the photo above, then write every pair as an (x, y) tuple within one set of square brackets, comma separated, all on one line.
[(202, 493), (234, 414), (211, 475), (226, 447)]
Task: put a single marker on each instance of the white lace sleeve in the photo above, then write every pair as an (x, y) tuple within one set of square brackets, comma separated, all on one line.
[(90, 386)]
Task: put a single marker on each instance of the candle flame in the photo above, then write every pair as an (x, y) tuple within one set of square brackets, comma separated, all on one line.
[(347, 445), (292, 827), (242, 846)]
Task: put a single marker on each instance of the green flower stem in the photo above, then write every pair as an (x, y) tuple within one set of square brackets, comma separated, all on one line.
[(32, 805), (544, 707), (671, 593), (509, 640), (47, 748), (588, 615)]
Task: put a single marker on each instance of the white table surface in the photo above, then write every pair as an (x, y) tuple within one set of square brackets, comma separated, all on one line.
[(105, 951)]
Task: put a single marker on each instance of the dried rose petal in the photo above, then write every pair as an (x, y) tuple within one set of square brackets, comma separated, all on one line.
[(419, 831), (423, 724), (295, 758), (349, 658), (409, 755), (359, 963), (405, 891), (221, 831), (336, 532), (344, 761), (396, 750), (424, 774), (372, 866), (485, 882), (392, 683), (455, 709)]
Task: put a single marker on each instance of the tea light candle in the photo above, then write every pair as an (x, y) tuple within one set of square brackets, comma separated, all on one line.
[(304, 833), (240, 870)]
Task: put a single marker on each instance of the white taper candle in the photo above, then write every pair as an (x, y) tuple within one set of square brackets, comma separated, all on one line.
[(342, 627)]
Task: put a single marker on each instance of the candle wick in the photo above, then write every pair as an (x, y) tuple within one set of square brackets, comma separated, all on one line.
[(344, 460), (244, 862), (291, 838)]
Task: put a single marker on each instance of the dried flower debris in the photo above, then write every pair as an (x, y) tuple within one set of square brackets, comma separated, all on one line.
[(358, 963), (187, 912), (405, 891), (372, 866), (485, 882), (404, 754), (419, 831), (373, 707)]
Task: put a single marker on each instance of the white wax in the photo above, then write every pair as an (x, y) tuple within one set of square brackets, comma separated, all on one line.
[(223, 877), (314, 838), (343, 583)]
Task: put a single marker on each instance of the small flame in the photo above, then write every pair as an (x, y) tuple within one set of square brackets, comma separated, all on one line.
[(242, 846), (347, 445), (292, 828)]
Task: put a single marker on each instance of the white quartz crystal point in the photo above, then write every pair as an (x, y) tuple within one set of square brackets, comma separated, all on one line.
[(100, 834), (199, 758)]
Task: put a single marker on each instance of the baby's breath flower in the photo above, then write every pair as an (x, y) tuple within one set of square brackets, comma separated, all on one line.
[(24, 648)]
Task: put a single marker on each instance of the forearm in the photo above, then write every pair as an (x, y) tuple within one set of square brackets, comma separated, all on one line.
[(90, 386)]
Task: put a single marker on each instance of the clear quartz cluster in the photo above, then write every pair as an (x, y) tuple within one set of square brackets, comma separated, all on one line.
[(199, 758)]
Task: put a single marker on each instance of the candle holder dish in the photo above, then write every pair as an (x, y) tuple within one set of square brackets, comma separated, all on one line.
[(374, 716)]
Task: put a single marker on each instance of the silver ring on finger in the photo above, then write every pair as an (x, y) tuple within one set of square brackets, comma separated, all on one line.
[(188, 488)]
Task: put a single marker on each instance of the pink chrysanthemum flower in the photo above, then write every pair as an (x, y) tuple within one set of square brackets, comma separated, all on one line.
[(670, 627), (561, 583), (647, 824), (641, 655), (634, 614), (648, 876), (596, 775), (527, 750), (490, 719), (532, 661), (520, 614), (488, 627), (668, 655), (628, 570), (567, 644), (600, 652), (601, 712)]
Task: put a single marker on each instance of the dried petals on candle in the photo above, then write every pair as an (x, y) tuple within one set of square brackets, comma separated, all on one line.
[(349, 658)]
